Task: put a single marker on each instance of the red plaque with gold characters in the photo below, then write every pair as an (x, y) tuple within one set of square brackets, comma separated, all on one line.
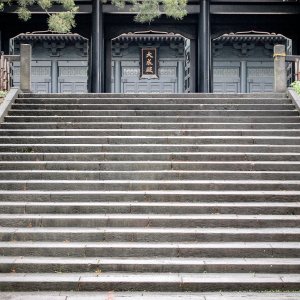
[(149, 63)]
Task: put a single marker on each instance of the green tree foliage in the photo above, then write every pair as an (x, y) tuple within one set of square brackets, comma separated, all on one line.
[(2, 94), (148, 10), (296, 86), (63, 22)]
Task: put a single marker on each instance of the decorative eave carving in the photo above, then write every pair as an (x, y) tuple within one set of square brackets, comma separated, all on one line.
[(54, 42), (54, 47), (245, 42), (147, 38), (244, 48)]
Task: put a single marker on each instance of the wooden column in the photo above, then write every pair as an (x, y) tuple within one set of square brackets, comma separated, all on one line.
[(204, 48), (97, 63), (118, 76), (243, 76), (180, 76)]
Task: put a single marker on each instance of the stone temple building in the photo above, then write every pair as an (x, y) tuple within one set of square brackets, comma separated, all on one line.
[(220, 46)]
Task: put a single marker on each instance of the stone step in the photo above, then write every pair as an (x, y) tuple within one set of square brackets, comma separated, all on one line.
[(167, 119), (29, 174), (165, 157), (172, 167), (150, 234), (163, 249), (149, 132), (150, 185), (148, 220), (150, 126), (88, 146), (154, 95), (101, 184), (148, 281), (180, 208), (159, 265), (150, 295), (146, 140), (151, 101), (151, 196), (145, 105), (152, 113), (176, 140), (150, 148)]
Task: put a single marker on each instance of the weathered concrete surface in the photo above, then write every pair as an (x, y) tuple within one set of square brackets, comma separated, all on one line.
[(146, 296), (294, 97), (98, 191), (25, 67), (280, 76), (8, 102)]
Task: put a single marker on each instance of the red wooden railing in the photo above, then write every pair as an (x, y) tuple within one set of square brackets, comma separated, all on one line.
[(295, 60), (297, 70), (5, 76)]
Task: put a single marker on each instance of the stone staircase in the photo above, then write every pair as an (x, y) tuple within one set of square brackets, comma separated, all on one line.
[(158, 193)]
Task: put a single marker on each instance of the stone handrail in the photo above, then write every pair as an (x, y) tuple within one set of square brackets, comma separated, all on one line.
[(7, 103), (25, 69), (280, 70)]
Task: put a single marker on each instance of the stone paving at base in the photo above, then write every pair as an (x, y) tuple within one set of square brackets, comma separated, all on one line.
[(147, 296)]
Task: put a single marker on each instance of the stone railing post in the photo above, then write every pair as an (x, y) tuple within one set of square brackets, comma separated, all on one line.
[(25, 68), (280, 76)]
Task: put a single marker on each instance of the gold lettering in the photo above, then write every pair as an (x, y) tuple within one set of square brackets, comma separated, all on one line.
[(149, 55), (149, 62), (149, 70)]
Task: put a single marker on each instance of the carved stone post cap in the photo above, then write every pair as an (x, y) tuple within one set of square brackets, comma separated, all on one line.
[(279, 49)]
